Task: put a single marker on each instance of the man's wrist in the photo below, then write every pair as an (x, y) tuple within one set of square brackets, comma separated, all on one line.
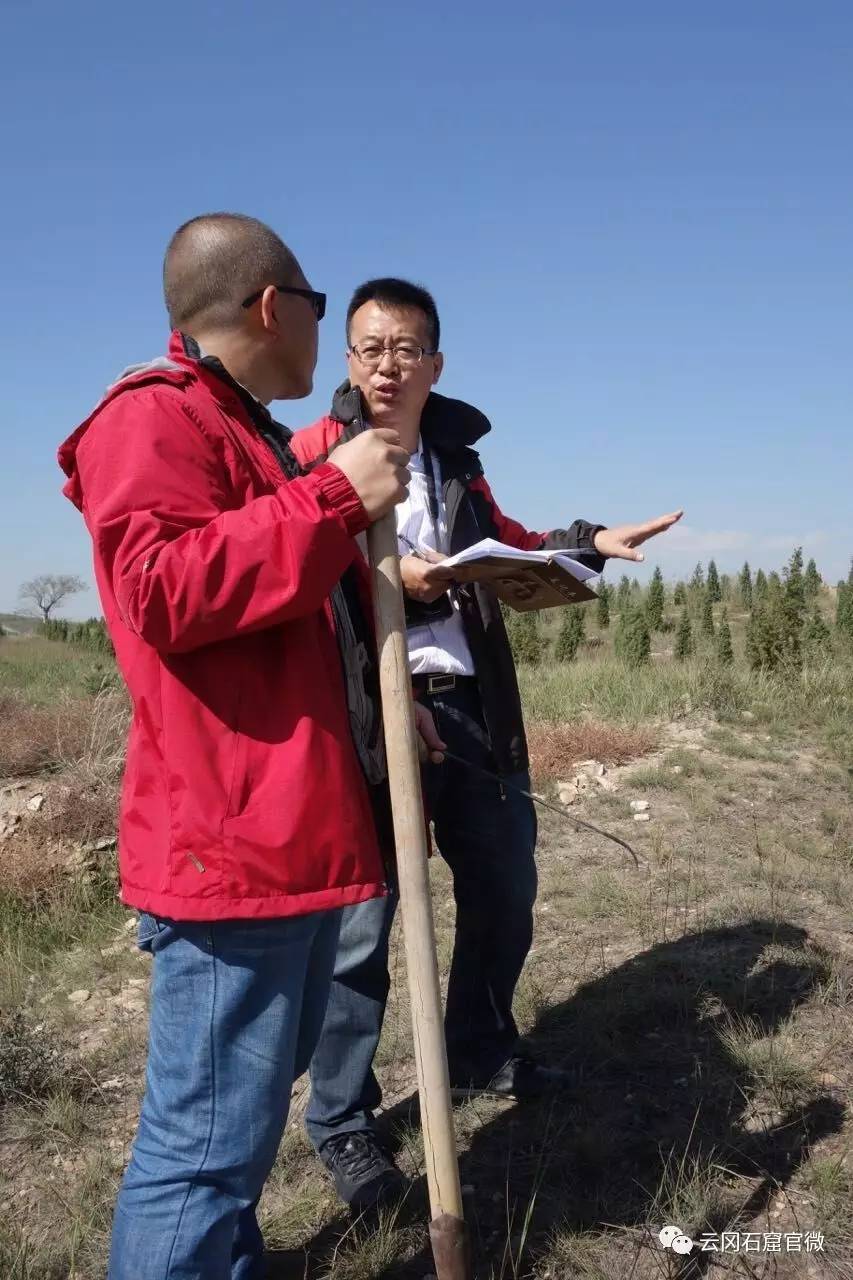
[(596, 530)]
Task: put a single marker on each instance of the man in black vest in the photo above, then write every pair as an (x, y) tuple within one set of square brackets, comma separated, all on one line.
[(462, 669)]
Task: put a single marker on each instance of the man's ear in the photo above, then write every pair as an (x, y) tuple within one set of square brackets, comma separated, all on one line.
[(267, 309), (438, 366)]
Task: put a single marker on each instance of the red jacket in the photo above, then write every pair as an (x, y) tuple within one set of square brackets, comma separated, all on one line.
[(243, 795)]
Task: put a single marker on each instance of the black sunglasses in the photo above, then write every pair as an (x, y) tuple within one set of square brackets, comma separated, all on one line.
[(317, 300)]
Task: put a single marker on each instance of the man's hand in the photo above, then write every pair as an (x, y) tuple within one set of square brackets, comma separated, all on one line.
[(620, 543), (376, 466), (423, 578), (430, 745)]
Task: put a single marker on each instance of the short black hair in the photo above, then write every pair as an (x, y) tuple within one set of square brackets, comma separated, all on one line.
[(216, 260), (392, 293)]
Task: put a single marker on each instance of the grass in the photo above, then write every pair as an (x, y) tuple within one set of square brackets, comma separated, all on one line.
[(706, 999), (603, 898), (829, 1184), (774, 1067), (44, 737), (19, 624), (819, 699), (37, 932), (554, 748), (45, 672), (742, 748)]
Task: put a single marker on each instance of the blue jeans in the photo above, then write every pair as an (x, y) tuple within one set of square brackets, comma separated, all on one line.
[(236, 1009), (487, 834)]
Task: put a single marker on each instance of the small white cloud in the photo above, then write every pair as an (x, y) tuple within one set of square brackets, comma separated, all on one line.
[(683, 538), (787, 541)]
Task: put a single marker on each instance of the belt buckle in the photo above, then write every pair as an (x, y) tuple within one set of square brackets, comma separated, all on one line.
[(440, 684)]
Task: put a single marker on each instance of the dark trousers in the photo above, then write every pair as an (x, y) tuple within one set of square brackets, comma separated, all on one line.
[(487, 835)]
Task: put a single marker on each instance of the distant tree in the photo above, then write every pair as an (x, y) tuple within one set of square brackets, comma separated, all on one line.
[(725, 652), (623, 595), (817, 637), (793, 606), (795, 584), (812, 581), (773, 594), (707, 614), (844, 611), (760, 587), (92, 634), (725, 587), (713, 583), (524, 637), (49, 591), (56, 629), (684, 637), (603, 606), (765, 637), (655, 600), (679, 595), (633, 642), (744, 584), (571, 634), (697, 581)]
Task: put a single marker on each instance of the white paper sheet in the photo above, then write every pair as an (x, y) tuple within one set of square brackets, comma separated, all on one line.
[(489, 549)]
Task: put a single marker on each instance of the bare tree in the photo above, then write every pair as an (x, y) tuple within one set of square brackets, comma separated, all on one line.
[(49, 591)]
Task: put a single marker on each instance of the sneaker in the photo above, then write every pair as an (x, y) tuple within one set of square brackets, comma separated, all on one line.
[(364, 1174), (520, 1078)]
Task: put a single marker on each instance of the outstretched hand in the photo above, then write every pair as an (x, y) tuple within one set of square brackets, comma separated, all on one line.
[(621, 542)]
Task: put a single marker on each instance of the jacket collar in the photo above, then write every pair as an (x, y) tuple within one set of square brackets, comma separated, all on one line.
[(445, 424), (216, 377)]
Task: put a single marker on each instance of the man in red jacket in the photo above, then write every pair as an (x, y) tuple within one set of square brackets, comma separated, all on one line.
[(254, 799), (463, 669)]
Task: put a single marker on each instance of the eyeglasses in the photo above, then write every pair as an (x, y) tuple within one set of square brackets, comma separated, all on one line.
[(406, 354), (317, 300)]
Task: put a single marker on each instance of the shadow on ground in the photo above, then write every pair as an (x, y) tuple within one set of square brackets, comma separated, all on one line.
[(664, 1098)]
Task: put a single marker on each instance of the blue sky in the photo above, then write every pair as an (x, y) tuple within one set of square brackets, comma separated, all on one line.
[(637, 220)]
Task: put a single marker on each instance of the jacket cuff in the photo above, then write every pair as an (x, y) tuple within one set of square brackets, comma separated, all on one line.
[(579, 536), (593, 530), (591, 558), (337, 491)]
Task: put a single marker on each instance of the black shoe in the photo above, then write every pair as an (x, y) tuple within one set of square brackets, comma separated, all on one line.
[(364, 1174), (520, 1078)]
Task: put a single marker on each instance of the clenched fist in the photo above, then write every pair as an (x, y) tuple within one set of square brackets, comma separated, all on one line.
[(376, 466)]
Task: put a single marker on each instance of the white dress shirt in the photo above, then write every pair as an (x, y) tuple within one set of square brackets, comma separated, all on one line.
[(435, 648)]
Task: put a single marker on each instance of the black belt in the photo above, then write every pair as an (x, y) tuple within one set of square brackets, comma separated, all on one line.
[(440, 683)]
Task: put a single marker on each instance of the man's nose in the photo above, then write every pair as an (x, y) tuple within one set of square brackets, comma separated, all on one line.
[(389, 354)]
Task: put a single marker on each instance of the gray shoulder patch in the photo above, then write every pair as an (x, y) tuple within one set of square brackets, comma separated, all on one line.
[(149, 366)]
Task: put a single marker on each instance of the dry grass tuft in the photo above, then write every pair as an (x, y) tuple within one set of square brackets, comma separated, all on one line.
[(86, 813), (89, 732), (35, 738), (81, 743), (555, 747), (31, 866)]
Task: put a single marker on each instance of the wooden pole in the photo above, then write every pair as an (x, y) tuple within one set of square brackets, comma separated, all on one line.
[(448, 1233)]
